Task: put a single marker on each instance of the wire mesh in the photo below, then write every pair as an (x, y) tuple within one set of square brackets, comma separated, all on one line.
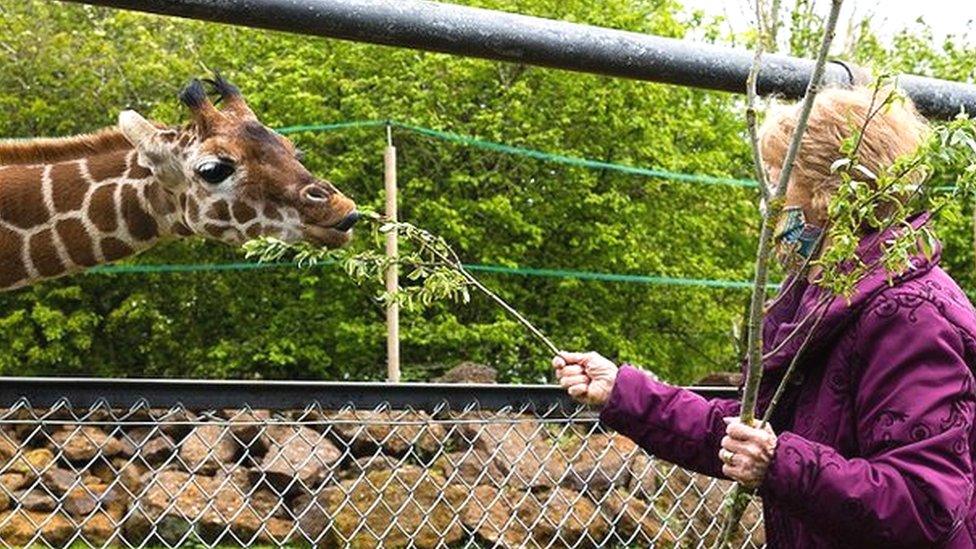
[(348, 477)]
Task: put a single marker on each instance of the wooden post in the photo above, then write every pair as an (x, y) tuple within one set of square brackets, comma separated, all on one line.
[(392, 273)]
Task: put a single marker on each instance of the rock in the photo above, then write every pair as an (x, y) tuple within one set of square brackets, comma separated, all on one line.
[(312, 511), (423, 508), (721, 379), (4, 501), (645, 476), (697, 499), (130, 474), (8, 446), (36, 500), (293, 454), (13, 481), (494, 515), (635, 522), (175, 422), (469, 372), (84, 443), (20, 528), (278, 531), (176, 502), (99, 529), (392, 432), (59, 480), (149, 445), (32, 462), (208, 448), (470, 468), (559, 516), (523, 450), (84, 500), (246, 425), (158, 449), (599, 462), (363, 465)]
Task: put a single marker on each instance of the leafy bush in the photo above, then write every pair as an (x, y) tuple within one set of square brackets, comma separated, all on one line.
[(70, 69)]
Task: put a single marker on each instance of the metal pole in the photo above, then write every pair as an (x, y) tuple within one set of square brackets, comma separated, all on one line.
[(488, 34), (392, 272)]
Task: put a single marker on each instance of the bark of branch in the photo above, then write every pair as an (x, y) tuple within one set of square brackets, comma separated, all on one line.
[(772, 212)]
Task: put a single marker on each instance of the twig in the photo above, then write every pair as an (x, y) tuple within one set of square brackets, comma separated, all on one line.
[(788, 375), (455, 263)]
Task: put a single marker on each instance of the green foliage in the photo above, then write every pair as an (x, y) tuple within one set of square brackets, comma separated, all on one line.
[(69, 69)]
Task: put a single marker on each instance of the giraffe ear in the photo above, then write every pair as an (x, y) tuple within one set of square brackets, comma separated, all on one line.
[(136, 129)]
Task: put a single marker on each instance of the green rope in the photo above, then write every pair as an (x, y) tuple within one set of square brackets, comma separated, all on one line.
[(331, 127), (495, 269), (522, 151)]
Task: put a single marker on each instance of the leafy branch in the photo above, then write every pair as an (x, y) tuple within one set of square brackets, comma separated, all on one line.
[(431, 265)]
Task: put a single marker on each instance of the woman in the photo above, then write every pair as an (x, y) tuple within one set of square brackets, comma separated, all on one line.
[(873, 444)]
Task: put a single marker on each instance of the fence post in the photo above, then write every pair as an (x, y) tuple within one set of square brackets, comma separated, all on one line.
[(392, 272)]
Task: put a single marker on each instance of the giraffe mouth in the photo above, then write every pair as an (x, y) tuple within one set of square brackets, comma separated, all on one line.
[(329, 236)]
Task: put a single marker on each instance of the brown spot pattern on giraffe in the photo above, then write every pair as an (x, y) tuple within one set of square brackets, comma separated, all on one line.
[(219, 211), (21, 198), (113, 248), (13, 269), (140, 224), (101, 209), (243, 212), (44, 255), (272, 213), (181, 230), (138, 171), (254, 231), (67, 187), (107, 166), (77, 242), (215, 230)]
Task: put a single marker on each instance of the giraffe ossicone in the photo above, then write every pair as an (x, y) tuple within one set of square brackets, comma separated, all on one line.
[(68, 204)]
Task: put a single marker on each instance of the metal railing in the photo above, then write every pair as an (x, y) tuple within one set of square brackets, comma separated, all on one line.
[(126, 463)]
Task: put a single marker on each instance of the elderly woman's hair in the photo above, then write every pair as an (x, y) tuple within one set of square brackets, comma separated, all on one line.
[(896, 130)]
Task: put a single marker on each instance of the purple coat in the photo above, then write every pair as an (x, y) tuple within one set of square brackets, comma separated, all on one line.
[(876, 440)]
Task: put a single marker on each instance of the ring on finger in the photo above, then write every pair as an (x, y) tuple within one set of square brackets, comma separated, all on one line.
[(726, 456)]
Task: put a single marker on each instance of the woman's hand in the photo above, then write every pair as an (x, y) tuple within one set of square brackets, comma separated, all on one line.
[(588, 377), (746, 452)]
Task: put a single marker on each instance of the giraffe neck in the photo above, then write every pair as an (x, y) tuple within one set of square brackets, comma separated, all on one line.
[(64, 217)]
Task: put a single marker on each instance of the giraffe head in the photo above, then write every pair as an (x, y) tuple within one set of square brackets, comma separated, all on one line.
[(228, 177)]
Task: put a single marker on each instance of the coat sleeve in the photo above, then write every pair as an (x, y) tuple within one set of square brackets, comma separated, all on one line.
[(913, 411), (669, 422)]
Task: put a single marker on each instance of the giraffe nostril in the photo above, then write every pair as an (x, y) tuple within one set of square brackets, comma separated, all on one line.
[(315, 193)]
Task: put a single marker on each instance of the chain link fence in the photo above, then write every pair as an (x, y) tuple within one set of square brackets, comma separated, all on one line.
[(393, 467)]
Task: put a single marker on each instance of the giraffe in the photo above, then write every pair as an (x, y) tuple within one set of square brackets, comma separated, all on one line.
[(68, 204)]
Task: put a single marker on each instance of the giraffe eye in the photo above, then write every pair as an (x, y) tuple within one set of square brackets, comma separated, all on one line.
[(215, 172)]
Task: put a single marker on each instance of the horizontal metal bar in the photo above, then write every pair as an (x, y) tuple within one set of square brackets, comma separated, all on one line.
[(488, 34), (194, 394)]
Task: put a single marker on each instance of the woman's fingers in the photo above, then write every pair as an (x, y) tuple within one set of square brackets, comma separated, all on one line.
[(558, 362), (750, 450), (568, 381), (572, 370), (574, 358), (577, 390)]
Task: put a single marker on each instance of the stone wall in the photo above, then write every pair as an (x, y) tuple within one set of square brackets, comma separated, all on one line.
[(342, 478)]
